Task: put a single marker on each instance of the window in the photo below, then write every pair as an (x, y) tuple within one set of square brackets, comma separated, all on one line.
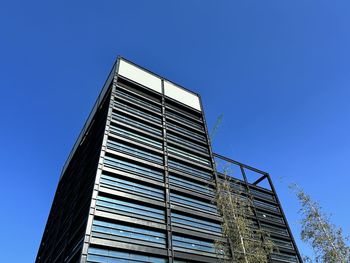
[(129, 186), (180, 182), (137, 100), (184, 120), (188, 221), (136, 123), (136, 234), (185, 131), (267, 216), (274, 230), (98, 255), (262, 204), (285, 257), (134, 136), (129, 209), (189, 156), (187, 143), (125, 148), (282, 243), (138, 112), (180, 110), (192, 245), (189, 170), (134, 168), (262, 194), (187, 201)]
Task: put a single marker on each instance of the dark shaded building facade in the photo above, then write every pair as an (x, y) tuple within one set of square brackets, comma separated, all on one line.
[(138, 183)]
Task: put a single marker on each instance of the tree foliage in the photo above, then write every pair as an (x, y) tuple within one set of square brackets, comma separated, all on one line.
[(248, 243), (328, 242)]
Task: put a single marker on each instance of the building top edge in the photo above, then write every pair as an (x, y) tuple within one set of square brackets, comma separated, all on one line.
[(157, 75), (160, 85)]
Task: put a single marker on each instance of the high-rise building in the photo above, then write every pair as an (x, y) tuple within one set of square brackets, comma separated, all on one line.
[(138, 183)]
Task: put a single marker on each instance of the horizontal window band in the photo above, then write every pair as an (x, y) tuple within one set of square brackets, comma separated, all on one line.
[(274, 230), (132, 198), (190, 170), (195, 213), (129, 219), (117, 146), (187, 140), (194, 205), (131, 187), (185, 124), (130, 247), (181, 220), (191, 193), (192, 177), (284, 257), (185, 132), (130, 209), (141, 105), (189, 148), (196, 232), (186, 257), (134, 176), (136, 144), (125, 93), (183, 116), (141, 170), (157, 131), (190, 185), (188, 155), (155, 121), (130, 133), (123, 107), (192, 251), (187, 136), (130, 240), (183, 109), (119, 212), (128, 233)]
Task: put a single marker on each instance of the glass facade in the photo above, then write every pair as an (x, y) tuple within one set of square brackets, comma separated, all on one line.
[(193, 203), (135, 136), (129, 208), (133, 168), (137, 100), (127, 185), (132, 150), (141, 113), (183, 119), (132, 234), (187, 132), (189, 156), (97, 255), (192, 245), (185, 168), (186, 143), (193, 222), (190, 185), (137, 124)]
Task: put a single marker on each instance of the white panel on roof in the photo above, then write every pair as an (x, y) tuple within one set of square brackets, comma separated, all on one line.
[(181, 95), (139, 75)]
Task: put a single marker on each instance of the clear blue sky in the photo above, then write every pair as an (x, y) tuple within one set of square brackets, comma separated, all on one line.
[(277, 70)]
